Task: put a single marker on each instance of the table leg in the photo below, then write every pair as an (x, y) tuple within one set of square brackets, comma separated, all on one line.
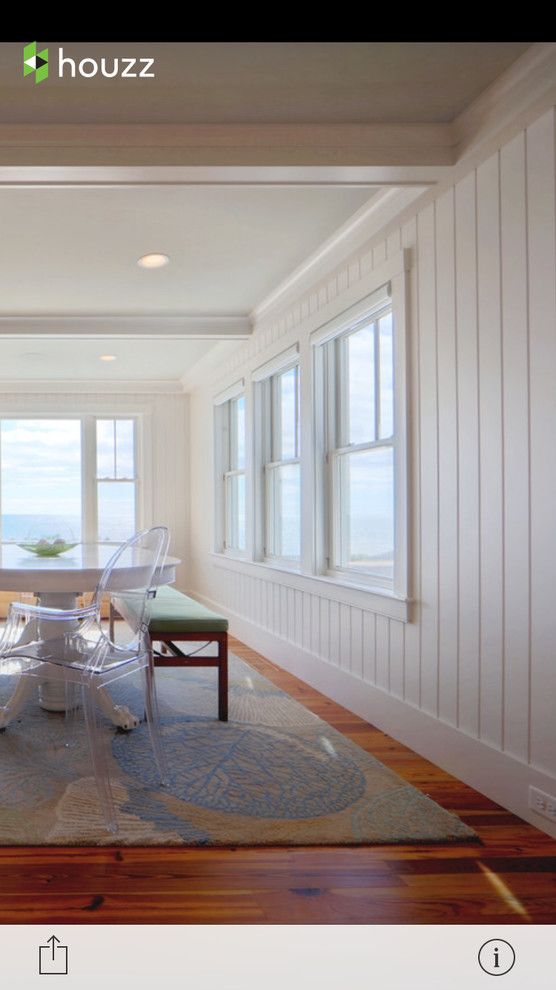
[(52, 692)]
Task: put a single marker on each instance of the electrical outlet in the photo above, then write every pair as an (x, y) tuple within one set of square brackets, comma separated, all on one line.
[(543, 804)]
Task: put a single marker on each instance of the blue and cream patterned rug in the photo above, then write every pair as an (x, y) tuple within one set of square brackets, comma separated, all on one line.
[(275, 774)]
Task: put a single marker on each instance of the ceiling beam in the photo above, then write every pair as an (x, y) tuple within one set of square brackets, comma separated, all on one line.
[(174, 327), (288, 176), (226, 144)]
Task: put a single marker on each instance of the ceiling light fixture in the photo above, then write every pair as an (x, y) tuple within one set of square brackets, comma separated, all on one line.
[(153, 261), (107, 357)]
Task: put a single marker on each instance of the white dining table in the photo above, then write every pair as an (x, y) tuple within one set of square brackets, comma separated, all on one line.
[(58, 581)]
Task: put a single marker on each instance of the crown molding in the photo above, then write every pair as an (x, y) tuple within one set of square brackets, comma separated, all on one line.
[(40, 387), (524, 91), (162, 327), (345, 241), (204, 368)]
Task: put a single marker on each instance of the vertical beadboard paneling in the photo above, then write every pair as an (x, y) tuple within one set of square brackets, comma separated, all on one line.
[(396, 642), (324, 609), (468, 455), (356, 642), (393, 242), (479, 651), (334, 632), (491, 459), (542, 322), (379, 254), (315, 626), (448, 616), (306, 614), (345, 636), (369, 647), (516, 445), (428, 461), (382, 652)]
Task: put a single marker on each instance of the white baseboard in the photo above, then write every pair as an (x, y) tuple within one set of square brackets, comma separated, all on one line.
[(497, 775)]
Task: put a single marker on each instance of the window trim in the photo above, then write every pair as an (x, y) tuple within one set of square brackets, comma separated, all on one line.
[(223, 470), (89, 436), (269, 418), (337, 444), (313, 329), (391, 292)]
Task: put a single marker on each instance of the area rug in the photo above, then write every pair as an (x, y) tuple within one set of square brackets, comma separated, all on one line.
[(275, 774)]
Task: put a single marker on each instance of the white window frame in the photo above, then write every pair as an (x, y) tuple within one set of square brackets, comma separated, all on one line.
[(89, 479), (390, 295), (225, 471), (311, 574), (88, 436), (267, 440)]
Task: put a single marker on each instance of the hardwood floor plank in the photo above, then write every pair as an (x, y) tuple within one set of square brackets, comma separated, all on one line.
[(509, 879)]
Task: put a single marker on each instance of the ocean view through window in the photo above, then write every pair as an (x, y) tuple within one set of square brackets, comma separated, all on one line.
[(359, 390), (73, 478)]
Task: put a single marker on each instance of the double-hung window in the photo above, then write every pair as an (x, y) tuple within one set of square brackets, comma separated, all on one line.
[(116, 479), (230, 430), (360, 440), (279, 423)]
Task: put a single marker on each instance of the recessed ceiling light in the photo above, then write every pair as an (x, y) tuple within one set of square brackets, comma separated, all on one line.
[(153, 261), (107, 357)]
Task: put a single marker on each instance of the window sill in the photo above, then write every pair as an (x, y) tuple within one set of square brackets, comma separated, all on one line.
[(381, 601)]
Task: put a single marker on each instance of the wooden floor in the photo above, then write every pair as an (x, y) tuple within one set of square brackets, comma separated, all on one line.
[(511, 879)]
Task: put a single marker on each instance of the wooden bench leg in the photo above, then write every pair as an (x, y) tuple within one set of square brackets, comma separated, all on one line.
[(223, 678)]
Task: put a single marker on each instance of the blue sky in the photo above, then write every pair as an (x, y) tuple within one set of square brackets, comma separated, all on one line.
[(41, 472)]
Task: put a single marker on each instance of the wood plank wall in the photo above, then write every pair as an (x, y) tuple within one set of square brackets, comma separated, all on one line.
[(480, 654)]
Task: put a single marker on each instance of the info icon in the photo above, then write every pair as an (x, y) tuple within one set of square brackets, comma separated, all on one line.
[(496, 957)]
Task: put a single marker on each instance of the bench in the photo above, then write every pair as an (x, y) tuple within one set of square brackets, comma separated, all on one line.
[(176, 618)]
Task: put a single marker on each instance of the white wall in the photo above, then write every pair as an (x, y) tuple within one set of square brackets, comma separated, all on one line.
[(165, 446), (471, 681)]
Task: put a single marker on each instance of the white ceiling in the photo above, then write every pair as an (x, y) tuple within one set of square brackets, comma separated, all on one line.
[(68, 252), (71, 360), (262, 82), (75, 250), (71, 252)]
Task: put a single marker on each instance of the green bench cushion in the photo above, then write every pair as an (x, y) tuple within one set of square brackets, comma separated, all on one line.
[(173, 612)]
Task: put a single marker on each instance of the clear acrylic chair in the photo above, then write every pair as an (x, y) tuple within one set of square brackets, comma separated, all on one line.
[(46, 644)]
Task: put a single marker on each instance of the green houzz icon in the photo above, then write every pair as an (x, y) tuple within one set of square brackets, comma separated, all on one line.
[(34, 61)]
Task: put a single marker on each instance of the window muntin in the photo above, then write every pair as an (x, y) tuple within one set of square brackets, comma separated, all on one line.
[(235, 536), (282, 469), (360, 447), (76, 475)]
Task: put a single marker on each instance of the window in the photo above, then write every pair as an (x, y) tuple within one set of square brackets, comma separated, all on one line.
[(341, 386), (278, 444), (70, 477), (360, 449), (231, 428), (282, 470), (115, 479)]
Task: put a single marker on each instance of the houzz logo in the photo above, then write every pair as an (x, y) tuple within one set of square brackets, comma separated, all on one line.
[(87, 68), (36, 62)]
